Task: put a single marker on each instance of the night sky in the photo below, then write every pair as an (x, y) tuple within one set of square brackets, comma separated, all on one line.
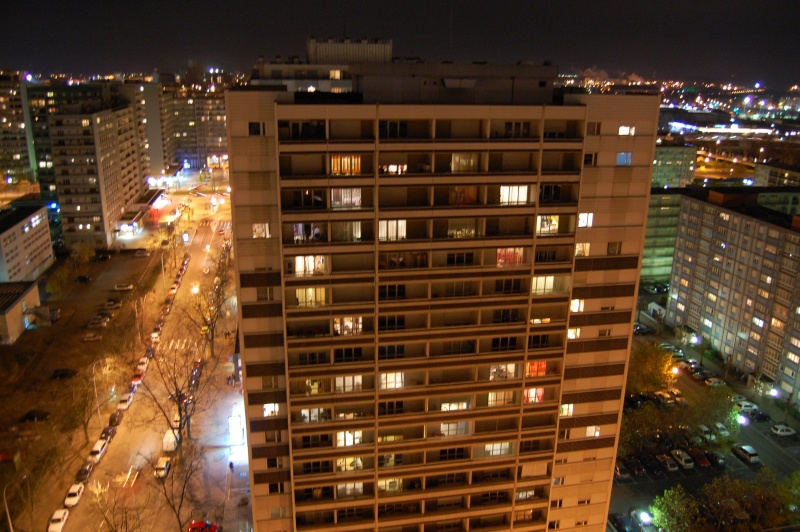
[(734, 41)]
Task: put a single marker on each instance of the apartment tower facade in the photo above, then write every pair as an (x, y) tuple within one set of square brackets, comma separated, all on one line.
[(437, 276)]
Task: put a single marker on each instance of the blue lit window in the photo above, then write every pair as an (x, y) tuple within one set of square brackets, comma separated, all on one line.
[(624, 158)]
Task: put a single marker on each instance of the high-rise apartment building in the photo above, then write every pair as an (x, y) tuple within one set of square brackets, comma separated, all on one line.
[(436, 275), (15, 162)]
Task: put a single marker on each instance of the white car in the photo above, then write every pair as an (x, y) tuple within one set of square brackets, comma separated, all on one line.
[(675, 392), (92, 337), (56, 523), (735, 398), (124, 287), (722, 430), (683, 458), (125, 402), (783, 431), (745, 406), (161, 470), (74, 495), (715, 382), (143, 363)]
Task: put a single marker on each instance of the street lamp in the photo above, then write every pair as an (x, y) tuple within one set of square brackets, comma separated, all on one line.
[(5, 503)]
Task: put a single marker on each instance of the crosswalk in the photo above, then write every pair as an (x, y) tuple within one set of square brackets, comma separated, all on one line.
[(181, 344), (225, 226)]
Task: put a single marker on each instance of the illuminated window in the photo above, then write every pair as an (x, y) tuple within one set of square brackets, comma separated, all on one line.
[(508, 256), (576, 305), (574, 333), (582, 249), (456, 428), (348, 325), (261, 230), (711, 297), (452, 407), (502, 371), (350, 463), (681, 307), (626, 130), (349, 489), (310, 265), (684, 282), (513, 195), (707, 322), (85, 122), (533, 395), (346, 198), (585, 219), (505, 397), (567, 410), (542, 284), (464, 162), (310, 297), (497, 449), (314, 415), (593, 431), (271, 409), (392, 380), (778, 324), (624, 158), (335, 74), (547, 224), (758, 321), (391, 229), (348, 383), (347, 438), (345, 164), (794, 358), (537, 368)]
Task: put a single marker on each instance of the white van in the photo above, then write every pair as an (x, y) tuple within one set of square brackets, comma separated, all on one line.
[(161, 469), (98, 451), (170, 441)]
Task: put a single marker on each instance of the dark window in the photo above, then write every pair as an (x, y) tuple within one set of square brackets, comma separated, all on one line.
[(309, 199), (323, 466), (391, 323), (393, 129), (505, 343), (545, 255), (314, 358), (549, 193), (537, 340), (508, 286), (386, 352), (390, 408), (316, 440), (347, 354), (392, 291), (452, 454), (506, 315), (460, 259), (254, 129)]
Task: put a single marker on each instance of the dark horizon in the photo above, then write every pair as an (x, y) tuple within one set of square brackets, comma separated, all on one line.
[(740, 44)]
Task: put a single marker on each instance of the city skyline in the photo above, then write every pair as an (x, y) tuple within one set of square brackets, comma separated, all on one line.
[(636, 40)]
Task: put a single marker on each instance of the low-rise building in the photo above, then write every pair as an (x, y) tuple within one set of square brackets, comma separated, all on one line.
[(17, 304)]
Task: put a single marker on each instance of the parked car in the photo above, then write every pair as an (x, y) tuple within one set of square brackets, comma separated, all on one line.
[(74, 495), (101, 257), (682, 458), (715, 458), (35, 415), (161, 469), (621, 472), (116, 417), (746, 453), (667, 463), (782, 430), (622, 523), (698, 457), (686, 364), (92, 337), (63, 373), (203, 526), (759, 415), (123, 287), (634, 466), (84, 278), (97, 324), (745, 406), (665, 399), (112, 304), (143, 363), (735, 398), (715, 382), (652, 465), (85, 471), (137, 378), (56, 523), (722, 430), (640, 330), (108, 433), (669, 347), (142, 253), (124, 402)]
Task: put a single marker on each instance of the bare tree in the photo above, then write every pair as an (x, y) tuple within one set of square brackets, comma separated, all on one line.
[(176, 489), (119, 511)]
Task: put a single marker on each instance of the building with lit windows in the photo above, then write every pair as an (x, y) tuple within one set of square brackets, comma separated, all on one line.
[(436, 278), (673, 166), (661, 235), (15, 161), (26, 249), (776, 175), (734, 282)]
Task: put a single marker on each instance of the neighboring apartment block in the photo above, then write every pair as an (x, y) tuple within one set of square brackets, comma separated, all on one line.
[(673, 166), (437, 276), (15, 162), (662, 232), (734, 281), (776, 175), (26, 249)]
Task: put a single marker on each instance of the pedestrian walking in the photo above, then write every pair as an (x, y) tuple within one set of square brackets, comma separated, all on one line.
[(230, 466)]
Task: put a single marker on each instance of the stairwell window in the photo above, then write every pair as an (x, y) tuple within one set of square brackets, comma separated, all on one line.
[(391, 230), (585, 219), (624, 158), (261, 230), (627, 131)]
